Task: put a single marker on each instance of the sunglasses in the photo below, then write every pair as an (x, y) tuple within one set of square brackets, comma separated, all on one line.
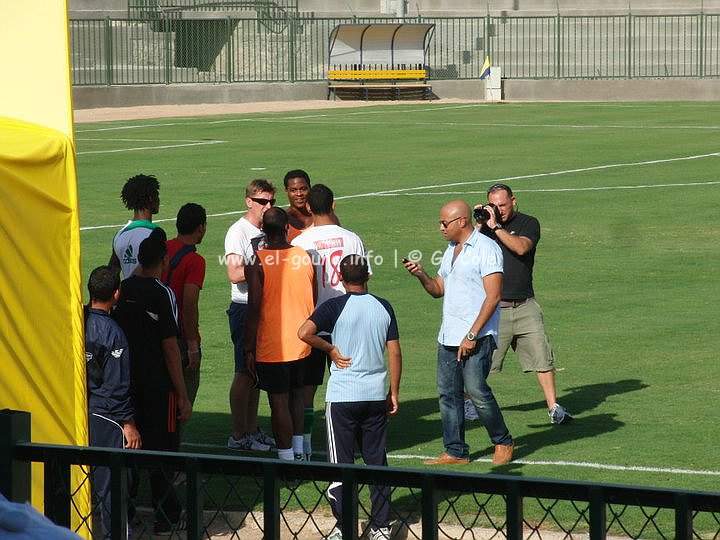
[(263, 202), (444, 224), (496, 187)]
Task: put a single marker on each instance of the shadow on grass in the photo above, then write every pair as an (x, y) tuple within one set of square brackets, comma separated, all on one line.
[(580, 399), (580, 428)]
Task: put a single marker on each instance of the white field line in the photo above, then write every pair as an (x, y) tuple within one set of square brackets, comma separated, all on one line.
[(142, 148), (335, 118), (105, 139), (542, 175), (334, 121), (581, 464), (407, 192), (544, 190)]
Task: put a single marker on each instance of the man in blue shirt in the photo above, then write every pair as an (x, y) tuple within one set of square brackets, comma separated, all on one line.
[(470, 280), (111, 415), (357, 404)]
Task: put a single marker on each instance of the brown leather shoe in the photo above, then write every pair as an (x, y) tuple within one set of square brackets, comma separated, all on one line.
[(446, 459), (503, 454)]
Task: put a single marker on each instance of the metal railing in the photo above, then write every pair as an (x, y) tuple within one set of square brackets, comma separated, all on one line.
[(154, 9), (248, 497), (291, 48)]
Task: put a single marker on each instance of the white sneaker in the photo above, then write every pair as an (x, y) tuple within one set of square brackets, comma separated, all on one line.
[(336, 534), (559, 415), (470, 410), (383, 533), (246, 443)]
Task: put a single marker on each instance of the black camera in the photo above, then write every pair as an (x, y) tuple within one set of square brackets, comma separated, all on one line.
[(483, 212)]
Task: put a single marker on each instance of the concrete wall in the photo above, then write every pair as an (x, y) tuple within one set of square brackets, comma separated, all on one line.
[(86, 97), (447, 8), (93, 97), (443, 8), (513, 90), (615, 90)]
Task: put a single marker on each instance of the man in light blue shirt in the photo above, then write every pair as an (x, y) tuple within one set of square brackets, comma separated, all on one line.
[(470, 280), (357, 400)]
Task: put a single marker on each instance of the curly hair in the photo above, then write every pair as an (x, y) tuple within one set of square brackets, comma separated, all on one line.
[(141, 192)]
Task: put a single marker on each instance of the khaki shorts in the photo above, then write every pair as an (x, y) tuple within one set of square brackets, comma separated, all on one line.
[(523, 329)]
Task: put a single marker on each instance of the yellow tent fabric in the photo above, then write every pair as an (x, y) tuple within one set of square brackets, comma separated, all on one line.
[(34, 64), (43, 366), (42, 361)]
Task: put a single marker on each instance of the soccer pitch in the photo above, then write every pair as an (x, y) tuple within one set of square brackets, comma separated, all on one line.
[(627, 195)]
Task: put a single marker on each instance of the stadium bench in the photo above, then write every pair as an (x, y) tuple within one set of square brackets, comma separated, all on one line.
[(379, 83)]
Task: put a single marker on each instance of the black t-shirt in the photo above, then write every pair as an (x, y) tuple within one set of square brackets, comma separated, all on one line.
[(517, 270), (147, 313)]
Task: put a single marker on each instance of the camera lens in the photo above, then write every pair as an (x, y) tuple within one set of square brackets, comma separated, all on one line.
[(481, 214)]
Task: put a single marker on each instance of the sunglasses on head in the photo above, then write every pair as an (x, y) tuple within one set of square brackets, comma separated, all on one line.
[(496, 187), (262, 202)]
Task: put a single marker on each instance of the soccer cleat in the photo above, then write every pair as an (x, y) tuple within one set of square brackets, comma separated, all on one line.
[(246, 443), (263, 438), (336, 534), (470, 410), (383, 533), (558, 415)]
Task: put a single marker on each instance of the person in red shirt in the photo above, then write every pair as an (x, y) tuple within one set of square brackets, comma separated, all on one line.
[(185, 275)]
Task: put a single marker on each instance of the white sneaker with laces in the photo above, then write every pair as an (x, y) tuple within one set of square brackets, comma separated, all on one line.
[(470, 410), (336, 534), (383, 533), (559, 415), (246, 443)]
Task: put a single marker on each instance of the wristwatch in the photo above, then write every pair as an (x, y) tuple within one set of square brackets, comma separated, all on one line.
[(497, 226), (470, 336)]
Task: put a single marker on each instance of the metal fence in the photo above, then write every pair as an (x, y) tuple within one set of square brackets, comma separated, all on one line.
[(287, 47), (240, 497), (155, 9)]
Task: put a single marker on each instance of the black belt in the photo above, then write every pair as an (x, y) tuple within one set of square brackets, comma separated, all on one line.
[(512, 303)]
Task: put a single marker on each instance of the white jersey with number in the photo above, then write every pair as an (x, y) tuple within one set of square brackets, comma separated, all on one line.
[(328, 245)]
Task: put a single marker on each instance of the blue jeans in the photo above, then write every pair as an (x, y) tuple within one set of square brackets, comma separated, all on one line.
[(470, 374)]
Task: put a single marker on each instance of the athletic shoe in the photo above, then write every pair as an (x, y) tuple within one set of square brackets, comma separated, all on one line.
[(163, 528), (307, 457), (336, 534), (558, 415), (180, 478), (383, 533), (299, 457), (246, 443), (470, 410), (263, 438)]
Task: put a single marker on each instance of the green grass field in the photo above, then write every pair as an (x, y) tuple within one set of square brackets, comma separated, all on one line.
[(627, 195)]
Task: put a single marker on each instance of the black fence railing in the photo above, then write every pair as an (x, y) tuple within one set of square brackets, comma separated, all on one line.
[(246, 497), (291, 47)]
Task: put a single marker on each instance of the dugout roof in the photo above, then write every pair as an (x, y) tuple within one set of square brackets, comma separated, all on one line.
[(390, 45)]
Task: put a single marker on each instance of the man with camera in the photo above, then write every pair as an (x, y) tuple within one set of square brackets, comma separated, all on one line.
[(521, 318)]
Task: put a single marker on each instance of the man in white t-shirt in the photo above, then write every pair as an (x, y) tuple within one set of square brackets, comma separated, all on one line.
[(241, 243), (328, 244)]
